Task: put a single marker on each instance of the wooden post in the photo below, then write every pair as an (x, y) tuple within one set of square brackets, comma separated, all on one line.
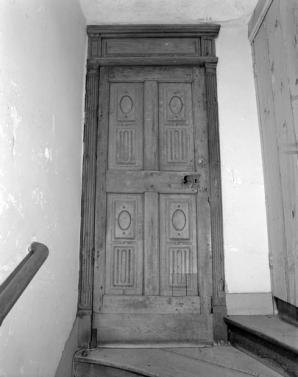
[(218, 299), (88, 209)]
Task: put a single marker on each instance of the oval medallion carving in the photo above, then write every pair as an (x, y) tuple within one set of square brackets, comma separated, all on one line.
[(124, 220), (176, 105), (126, 104), (179, 220)]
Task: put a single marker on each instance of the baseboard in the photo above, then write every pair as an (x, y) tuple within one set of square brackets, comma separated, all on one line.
[(249, 303), (71, 346)]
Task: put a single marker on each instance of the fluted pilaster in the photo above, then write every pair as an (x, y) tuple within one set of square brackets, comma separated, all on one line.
[(218, 299)]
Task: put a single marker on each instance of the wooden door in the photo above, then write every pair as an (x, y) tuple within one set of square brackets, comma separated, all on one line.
[(153, 281)]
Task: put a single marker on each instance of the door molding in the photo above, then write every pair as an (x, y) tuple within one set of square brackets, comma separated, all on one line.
[(103, 42)]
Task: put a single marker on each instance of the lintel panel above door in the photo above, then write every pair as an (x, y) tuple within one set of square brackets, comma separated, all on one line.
[(108, 44), (151, 47)]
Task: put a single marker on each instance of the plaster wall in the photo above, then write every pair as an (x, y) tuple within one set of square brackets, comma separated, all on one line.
[(245, 228), (244, 212), (42, 52)]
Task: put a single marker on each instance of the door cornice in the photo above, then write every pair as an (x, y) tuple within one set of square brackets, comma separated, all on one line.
[(123, 31)]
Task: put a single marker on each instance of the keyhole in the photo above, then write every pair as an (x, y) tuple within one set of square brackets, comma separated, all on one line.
[(186, 180)]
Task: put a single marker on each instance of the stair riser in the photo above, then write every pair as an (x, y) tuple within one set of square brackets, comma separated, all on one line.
[(96, 370), (272, 355)]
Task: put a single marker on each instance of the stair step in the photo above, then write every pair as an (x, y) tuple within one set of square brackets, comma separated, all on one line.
[(220, 361), (268, 338)]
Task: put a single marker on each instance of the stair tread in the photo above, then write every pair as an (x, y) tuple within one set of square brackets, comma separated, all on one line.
[(268, 327), (199, 362)]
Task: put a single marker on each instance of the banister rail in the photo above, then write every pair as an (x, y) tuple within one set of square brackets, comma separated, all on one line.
[(12, 288)]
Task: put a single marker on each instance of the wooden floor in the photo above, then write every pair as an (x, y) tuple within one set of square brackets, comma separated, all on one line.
[(220, 361)]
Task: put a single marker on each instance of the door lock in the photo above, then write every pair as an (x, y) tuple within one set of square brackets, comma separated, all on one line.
[(191, 181)]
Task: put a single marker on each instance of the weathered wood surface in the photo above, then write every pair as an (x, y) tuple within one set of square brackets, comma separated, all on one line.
[(289, 16), (287, 311), (151, 305), (149, 181), (270, 328), (205, 29), (174, 141), (151, 157), (228, 357), (193, 362), (203, 215), (178, 248), (124, 246), (268, 339), (88, 208), (100, 202), (287, 137), (96, 370), (153, 329), (151, 47), (257, 18), (151, 245), (152, 75), (218, 297), (157, 61), (157, 121), (275, 56), (271, 165)]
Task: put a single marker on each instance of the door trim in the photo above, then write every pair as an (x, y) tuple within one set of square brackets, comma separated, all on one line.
[(203, 36)]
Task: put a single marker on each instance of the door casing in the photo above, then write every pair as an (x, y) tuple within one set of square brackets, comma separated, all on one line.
[(183, 45)]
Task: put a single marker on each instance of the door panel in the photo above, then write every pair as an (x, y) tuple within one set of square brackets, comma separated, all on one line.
[(157, 252), (176, 127), (126, 127), (124, 245), (178, 246)]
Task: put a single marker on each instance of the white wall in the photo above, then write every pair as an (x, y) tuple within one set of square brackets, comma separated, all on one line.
[(245, 229), (105, 12), (42, 52)]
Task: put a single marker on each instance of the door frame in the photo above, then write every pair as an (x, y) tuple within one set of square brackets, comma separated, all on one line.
[(204, 56)]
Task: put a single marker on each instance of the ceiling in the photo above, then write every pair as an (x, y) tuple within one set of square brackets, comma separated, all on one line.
[(104, 12)]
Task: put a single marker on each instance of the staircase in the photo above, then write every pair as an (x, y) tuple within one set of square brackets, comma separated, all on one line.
[(269, 339), (219, 361)]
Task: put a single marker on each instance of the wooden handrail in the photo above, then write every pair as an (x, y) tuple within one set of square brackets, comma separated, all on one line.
[(12, 288)]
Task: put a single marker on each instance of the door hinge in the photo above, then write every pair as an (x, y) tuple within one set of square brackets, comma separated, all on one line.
[(271, 260), (254, 69)]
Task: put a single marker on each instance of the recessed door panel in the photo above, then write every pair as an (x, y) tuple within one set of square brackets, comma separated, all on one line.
[(178, 247), (124, 244), (126, 126), (176, 127)]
